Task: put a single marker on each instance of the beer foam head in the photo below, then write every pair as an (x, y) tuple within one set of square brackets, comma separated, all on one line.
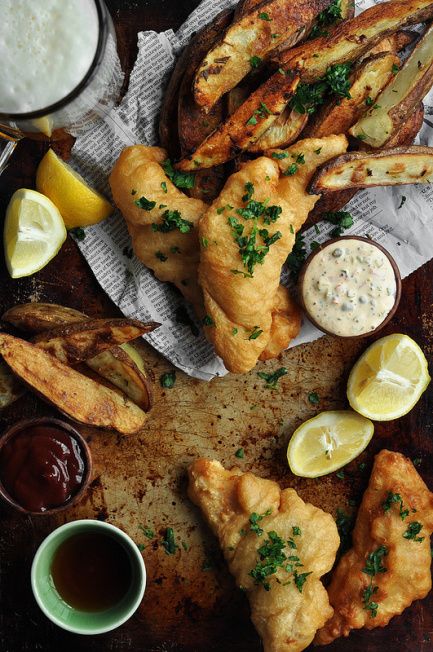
[(46, 49)]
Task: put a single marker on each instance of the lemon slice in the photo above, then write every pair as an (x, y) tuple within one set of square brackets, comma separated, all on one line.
[(78, 203), (388, 378), (327, 442), (33, 232)]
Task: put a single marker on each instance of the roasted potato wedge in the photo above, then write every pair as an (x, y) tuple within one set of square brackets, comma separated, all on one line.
[(283, 132), (335, 201), (39, 317), (10, 388), (75, 395), (389, 167), (246, 125), (126, 373), (354, 37), (254, 34), (400, 97), (337, 116), (393, 43), (73, 343)]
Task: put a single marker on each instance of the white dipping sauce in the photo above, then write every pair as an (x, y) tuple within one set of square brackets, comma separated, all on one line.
[(46, 49), (349, 287)]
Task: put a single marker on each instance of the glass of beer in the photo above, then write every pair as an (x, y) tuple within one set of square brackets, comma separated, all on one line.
[(59, 69)]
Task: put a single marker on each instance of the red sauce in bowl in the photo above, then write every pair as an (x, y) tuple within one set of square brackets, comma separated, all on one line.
[(42, 466)]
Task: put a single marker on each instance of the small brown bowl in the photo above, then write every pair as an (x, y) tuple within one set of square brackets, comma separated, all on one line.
[(72, 432), (397, 283)]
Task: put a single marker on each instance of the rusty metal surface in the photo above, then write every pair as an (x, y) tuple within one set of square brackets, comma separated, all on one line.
[(191, 603)]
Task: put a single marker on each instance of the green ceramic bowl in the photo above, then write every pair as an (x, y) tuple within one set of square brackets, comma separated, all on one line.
[(65, 616)]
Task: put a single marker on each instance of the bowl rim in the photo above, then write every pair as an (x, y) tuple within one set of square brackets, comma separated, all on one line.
[(132, 548), (13, 430), (398, 284)]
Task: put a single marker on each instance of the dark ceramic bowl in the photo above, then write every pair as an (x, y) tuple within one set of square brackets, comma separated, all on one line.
[(397, 284), (85, 451)]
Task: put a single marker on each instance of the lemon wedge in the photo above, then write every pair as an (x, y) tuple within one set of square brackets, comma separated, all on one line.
[(78, 203), (33, 232), (327, 442), (388, 378)]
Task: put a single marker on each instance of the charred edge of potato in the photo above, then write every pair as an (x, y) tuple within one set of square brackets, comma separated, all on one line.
[(396, 166), (81, 341), (40, 317), (283, 132), (335, 201), (245, 7), (246, 125), (400, 96), (193, 123), (393, 43), (10, 387), (77, 396), (229, 60), (368, 80), (354, 37)]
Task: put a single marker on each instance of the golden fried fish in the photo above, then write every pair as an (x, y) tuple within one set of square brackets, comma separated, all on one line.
[(389, 565), (246, 235), (277, 547)]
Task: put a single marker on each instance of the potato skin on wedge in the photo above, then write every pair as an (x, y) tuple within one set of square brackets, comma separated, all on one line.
[(75, 395), (391, 167), (80, 341), (39, 317), (255, 33)]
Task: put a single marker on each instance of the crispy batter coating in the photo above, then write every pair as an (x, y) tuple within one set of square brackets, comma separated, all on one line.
[(285, 617), (241, 303), (138, 169), (407, 560)]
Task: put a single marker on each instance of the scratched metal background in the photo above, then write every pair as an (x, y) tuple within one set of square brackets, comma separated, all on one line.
[(141, 481)]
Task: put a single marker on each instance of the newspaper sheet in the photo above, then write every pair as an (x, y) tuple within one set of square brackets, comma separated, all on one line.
[(403, 226)]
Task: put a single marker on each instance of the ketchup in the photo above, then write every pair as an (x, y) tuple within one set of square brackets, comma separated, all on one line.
[(41, 467)]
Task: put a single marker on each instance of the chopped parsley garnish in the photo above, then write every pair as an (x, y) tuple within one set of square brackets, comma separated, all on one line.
[(255, 333), (289, 171), (327, 17), (264, 16), (249, 191), (394, 69), (207, 321), (403, 200), (344, 524), (240, 453), (335, 82), (174, 250), (164, 186), (297, 256), (342, 220), (133, 192), (300, 579), (279, 155), (79, 233), (204, 242), (148, 532), (273, 378), (255, 520), (180, 179), (169, 544), (373, 566), (141, 547), (172, 220), (234, 330), (413, 530), (314, 398), (162, 257), (417, 461), (296, 531), (368, 101), (255, 61), (261, 112), (340, 475), (168, 379), (318, 150), (145, 204), (393, 498)]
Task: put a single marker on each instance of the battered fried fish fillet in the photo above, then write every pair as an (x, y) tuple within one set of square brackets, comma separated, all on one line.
[(277, 547), (246, 235), (173, 254), (389, 565), (172, 251)]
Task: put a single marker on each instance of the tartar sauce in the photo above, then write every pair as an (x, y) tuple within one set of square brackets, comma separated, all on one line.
[(349, 287)]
